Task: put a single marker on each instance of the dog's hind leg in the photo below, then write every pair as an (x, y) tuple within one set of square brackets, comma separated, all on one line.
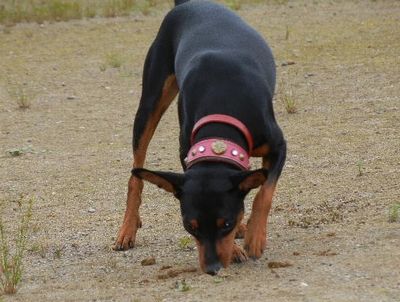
[(158, 91)]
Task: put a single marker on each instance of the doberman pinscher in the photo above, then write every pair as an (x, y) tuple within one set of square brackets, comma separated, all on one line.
[(225, 75)]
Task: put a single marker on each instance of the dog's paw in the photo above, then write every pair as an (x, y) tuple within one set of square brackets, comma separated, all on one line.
[(255, 243), (126, 236), (239, 254)]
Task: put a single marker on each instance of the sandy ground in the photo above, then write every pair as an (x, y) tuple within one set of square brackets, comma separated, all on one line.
[(330, 215)]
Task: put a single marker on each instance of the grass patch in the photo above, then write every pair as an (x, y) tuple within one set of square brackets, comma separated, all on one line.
[(182, 286), (233, 4), (113, 60), (16, 11), (20, 95), (19, 151), (394, 212), (11, 256), (360, 168), (116, 8), (289, 102), (186, 243)]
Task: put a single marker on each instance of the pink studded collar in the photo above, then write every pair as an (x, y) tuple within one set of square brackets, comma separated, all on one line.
[(218, 149)]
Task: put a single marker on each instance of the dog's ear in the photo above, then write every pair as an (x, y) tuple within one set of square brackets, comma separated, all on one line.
[(248, 180), (170, 182)]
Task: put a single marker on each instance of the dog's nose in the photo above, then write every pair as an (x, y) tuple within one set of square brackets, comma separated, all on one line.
[(213, 268)]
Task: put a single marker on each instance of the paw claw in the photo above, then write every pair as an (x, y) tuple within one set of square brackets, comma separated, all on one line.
[(126, 237), (239, 255), (254, 246)]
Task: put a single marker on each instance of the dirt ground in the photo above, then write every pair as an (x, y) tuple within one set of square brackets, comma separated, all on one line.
[(338, 60)]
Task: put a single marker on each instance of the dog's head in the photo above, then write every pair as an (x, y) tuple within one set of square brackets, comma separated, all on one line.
[(211, 206)]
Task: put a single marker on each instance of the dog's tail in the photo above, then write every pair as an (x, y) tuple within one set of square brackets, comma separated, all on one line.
[(177, 2)]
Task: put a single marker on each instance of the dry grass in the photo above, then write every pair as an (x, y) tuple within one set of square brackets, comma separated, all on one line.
[(11, 262), (16, 11), (20, 95), (394, 210)]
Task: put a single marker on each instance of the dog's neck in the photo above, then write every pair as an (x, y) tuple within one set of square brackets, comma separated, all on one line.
[(220, 138)]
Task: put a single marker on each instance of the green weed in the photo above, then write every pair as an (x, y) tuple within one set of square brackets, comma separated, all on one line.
[(19, 94), (182, 286), (19, 151), (58, 252), (11, 262), (233, 4), (40, 249), (290, 103), (186, 243), (394, 212), (360, 168)]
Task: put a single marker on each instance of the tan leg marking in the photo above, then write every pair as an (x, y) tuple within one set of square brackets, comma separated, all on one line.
[(255, 240), (127, 233), (261, 151), (256, 236)]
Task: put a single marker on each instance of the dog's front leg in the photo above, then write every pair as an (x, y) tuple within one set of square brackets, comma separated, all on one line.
[(145, 124), (256, 236)]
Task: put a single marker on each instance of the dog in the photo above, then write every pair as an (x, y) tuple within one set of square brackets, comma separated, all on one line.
[(225, 73)]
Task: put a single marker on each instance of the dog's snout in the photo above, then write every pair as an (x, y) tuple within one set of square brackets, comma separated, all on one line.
[(213, 269)]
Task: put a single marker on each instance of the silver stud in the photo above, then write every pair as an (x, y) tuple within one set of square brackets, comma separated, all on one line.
[(235, 152), (241, 156), (202, 149), (185, 160)]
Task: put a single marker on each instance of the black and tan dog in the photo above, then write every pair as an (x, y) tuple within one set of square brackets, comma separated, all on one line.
[(225, 75)]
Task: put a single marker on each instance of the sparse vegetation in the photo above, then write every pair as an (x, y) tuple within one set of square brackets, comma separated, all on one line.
[(394, 212), (233, 4), (186, 243), (113, 60), (58, 252), (11, 256), (182, 286), (20, 95), (15, 11), (18, 151), (290, 103), (360, 168), (39, 248)]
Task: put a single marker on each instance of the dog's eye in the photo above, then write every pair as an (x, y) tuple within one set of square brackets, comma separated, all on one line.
[(224, 225), (227, 225)]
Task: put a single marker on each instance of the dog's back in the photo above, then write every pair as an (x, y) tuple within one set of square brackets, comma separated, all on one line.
[(216, 32), (221, 65)]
